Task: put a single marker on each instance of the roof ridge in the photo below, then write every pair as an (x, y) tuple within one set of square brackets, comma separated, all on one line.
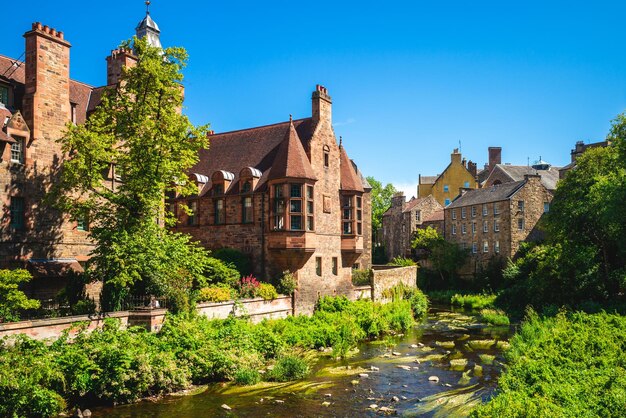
[(259, 127)]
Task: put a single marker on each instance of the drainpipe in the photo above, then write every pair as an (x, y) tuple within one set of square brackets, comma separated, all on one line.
[(263, 234)]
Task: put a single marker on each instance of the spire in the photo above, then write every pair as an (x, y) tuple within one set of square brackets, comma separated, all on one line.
[(350, 181), (291, 160), (149, 29)]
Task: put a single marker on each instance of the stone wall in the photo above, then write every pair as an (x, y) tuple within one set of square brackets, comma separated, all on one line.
[(386, 277), (257, 309)]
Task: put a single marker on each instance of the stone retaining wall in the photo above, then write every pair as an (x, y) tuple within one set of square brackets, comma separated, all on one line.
[(386, 277)]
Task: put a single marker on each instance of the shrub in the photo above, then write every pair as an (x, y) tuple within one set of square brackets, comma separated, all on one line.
[(247, 377), (332, 304), (494, 317), (214, 294), (234, 258), (474, 301), (402, 262), (217, 272), (287, 283), (362, 277), (84, 307), (13, 300), (266, 291), (289, 368), (248, 287)]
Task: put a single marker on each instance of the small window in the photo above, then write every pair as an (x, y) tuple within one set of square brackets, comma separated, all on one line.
[(335, 267), (192, 219), (453, 229), (485, 210), (17, 150), (17, 213), (247, 210), (496, 247), (474, 248), (520, 206), (496, 210), (296, 190), (463, 229), (403, 228), (447, 202), (466, 185), (485, 226), (4, 95), (247, 187), (418, 215), (496, 226), (446, 188), (220, 216), (473, 227), (463, 213), (318, 266), (73, 113), (485, 246), (356, 266), (453, 213), (82, 222), (546, 207), (520, 224), (218, 190), (296, 222), (473, 211), (326, 156)]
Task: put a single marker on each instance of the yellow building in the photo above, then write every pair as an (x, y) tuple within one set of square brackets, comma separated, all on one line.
[(445, 187)]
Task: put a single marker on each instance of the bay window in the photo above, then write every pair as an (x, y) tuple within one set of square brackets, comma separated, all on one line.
[(291, 205)]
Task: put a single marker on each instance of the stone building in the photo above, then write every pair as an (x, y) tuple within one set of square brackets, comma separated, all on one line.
[(579, 150), (403, 218), (445, 186), (287, 195), (505, 173), (37, 100), (493, 221)]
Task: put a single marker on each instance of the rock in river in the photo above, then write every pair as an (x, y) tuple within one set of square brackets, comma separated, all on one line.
[(433, 379)]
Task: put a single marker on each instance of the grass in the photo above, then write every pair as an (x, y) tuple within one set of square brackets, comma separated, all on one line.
[(569, 365), (478, 301), (494, 317)]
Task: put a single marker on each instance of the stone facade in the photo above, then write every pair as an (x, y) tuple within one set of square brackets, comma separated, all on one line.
[(288, 196), (401, 221), (493, 222), (445, 187)]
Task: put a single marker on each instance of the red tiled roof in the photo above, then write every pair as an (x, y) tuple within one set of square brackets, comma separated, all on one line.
[(349, 179), (291, 161), (254, 147)]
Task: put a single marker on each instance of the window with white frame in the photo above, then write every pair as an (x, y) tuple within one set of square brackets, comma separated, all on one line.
[(418, 215), (17, 150), (463, 229), (520, 206), (473, 227), (463, 213), (546, 207), (485, 226), (453, 229), (520, 224), (485, 246), (496, 226), (446, 188), (496, 209), (496, 247), (474, 248), (485, 210), (473, 211), (453, 213)]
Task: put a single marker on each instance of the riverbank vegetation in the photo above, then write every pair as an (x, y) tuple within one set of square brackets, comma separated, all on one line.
[(568, 365), (114, 366)]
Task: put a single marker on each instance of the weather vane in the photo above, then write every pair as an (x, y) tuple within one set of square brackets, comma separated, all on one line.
[(147, 6)]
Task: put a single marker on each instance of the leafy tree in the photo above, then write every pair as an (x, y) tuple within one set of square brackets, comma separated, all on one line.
[(13, 300), (133, 151), (381, 201), (446, 258)]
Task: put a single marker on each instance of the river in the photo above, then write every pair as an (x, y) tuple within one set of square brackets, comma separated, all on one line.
[(395, 373)]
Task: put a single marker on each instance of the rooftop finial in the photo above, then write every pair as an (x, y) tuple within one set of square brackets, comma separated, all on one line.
[(290, 118), (147, 7), (340, 140)]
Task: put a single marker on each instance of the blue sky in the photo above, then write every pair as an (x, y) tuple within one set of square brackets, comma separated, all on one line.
[(409, 79)]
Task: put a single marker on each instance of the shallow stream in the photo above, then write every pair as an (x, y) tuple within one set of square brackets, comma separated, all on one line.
[(393, 375)]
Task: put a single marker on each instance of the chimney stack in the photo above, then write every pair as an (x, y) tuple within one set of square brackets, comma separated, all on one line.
[(46, 103), (398, 200), (322, 105), (495, 157), (472, 168), (455, 156), (119, 59)]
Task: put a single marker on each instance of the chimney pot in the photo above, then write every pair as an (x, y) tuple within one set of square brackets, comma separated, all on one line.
[(60, 35)]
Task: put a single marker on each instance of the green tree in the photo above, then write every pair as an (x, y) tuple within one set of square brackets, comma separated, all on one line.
[(381, 201), (13, 300), (446, 258), (135, 150)]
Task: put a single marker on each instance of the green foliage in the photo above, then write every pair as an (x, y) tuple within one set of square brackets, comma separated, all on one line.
[(218, 272), (138, 134), (477, 301), (214, 294), (235, 258), (266, 291), (379, 255), (417, 299), (362, 277), (445, 257), (13, 300), (494, 317), (247, 377), (287, 284), (570, 365), (381, 201), (289, 368), (402, 262)]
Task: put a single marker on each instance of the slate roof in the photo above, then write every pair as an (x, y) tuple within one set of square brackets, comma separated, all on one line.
[(549, 177), (428, 179), (487, 195), (291, 161), (350, 181), (411, 204), (436, 216), (254, 147)]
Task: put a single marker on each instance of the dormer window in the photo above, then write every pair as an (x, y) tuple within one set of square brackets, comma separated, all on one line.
[(221, 181), (247, 187), (326, 156)]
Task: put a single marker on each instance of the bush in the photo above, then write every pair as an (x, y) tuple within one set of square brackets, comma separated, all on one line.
[(217, 272), (13, 300), (266, 291), (362, 277), (494, 317), (474, 301), (289, 368), (570, 365), (247, 377), (214, 294), (248, 287), (287, 283), (402, 262), (234, 258)]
